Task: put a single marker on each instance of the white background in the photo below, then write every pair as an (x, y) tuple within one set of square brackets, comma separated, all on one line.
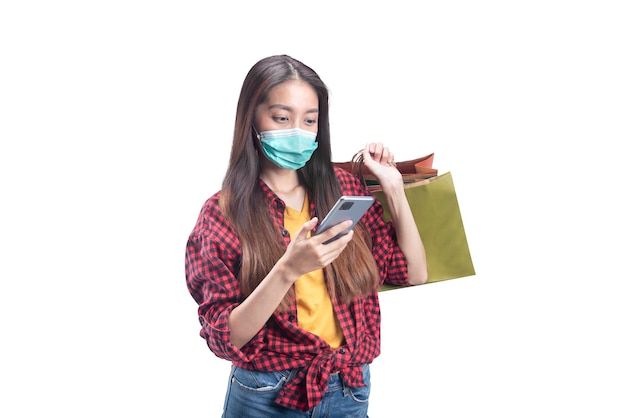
[(116, 120)]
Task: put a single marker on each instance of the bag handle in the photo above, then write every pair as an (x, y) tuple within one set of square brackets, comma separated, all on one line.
[(412, 170)]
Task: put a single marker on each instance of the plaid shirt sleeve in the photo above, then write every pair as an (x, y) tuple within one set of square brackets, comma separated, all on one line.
[(211, 260)]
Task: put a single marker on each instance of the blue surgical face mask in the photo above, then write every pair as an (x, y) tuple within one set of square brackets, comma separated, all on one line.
[(288, 148)]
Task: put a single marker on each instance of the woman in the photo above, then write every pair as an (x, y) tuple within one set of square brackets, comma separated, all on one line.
[(298, 319)]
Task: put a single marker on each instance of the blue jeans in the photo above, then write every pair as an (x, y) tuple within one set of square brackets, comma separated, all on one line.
[(251, 394)]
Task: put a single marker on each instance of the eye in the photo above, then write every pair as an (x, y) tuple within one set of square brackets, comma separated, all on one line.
[(281, 118), (310, 122)]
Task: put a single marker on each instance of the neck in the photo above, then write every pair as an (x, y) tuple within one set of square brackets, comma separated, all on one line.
[(282, 187), (280, 180), (286, 185)]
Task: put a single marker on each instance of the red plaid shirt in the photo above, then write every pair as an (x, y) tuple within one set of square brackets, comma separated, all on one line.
[(212, 256)]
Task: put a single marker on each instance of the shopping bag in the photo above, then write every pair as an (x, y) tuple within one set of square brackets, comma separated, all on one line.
[(436, 211), (435, 207)]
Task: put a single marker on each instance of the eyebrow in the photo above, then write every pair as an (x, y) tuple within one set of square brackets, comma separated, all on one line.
[(284, 107)]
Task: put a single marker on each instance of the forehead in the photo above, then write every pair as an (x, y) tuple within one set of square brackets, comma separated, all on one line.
[(293, 93)]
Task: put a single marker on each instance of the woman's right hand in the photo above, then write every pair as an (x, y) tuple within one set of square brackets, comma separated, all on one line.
[(305, 254)]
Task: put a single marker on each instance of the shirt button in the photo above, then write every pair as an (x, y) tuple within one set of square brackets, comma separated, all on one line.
[(292, 317), (342, 351), (285, 232)]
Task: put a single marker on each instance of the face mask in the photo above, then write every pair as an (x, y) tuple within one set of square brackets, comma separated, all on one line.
[(288, 148)]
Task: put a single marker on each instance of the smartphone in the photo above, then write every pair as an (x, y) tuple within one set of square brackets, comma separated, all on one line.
[(346, 207)]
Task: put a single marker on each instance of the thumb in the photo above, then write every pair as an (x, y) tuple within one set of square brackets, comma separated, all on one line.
[(366, 153), (305, 229)]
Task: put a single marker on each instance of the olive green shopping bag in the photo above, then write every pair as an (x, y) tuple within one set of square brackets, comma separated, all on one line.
[(437, 214), (436, 211)]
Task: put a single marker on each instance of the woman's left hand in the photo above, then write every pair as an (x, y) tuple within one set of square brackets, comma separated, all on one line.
[(379, 160)]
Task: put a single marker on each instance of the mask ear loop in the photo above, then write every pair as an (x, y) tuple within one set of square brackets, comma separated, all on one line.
[(257, 144)]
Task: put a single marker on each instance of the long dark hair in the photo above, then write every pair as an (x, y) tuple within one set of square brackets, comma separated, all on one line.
[(352, 274)]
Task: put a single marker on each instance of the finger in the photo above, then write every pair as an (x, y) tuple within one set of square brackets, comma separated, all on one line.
[(387, 158), (332, 250), (332, 232), (376, 151)]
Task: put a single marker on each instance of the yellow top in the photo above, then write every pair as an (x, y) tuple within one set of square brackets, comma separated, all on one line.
[(315, 310)]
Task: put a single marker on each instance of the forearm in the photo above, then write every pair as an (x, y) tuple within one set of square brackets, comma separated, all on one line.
[(408, 235), (250, 316)]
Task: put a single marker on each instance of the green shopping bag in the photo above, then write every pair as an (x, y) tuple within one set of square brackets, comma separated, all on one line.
[(438, 217)]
